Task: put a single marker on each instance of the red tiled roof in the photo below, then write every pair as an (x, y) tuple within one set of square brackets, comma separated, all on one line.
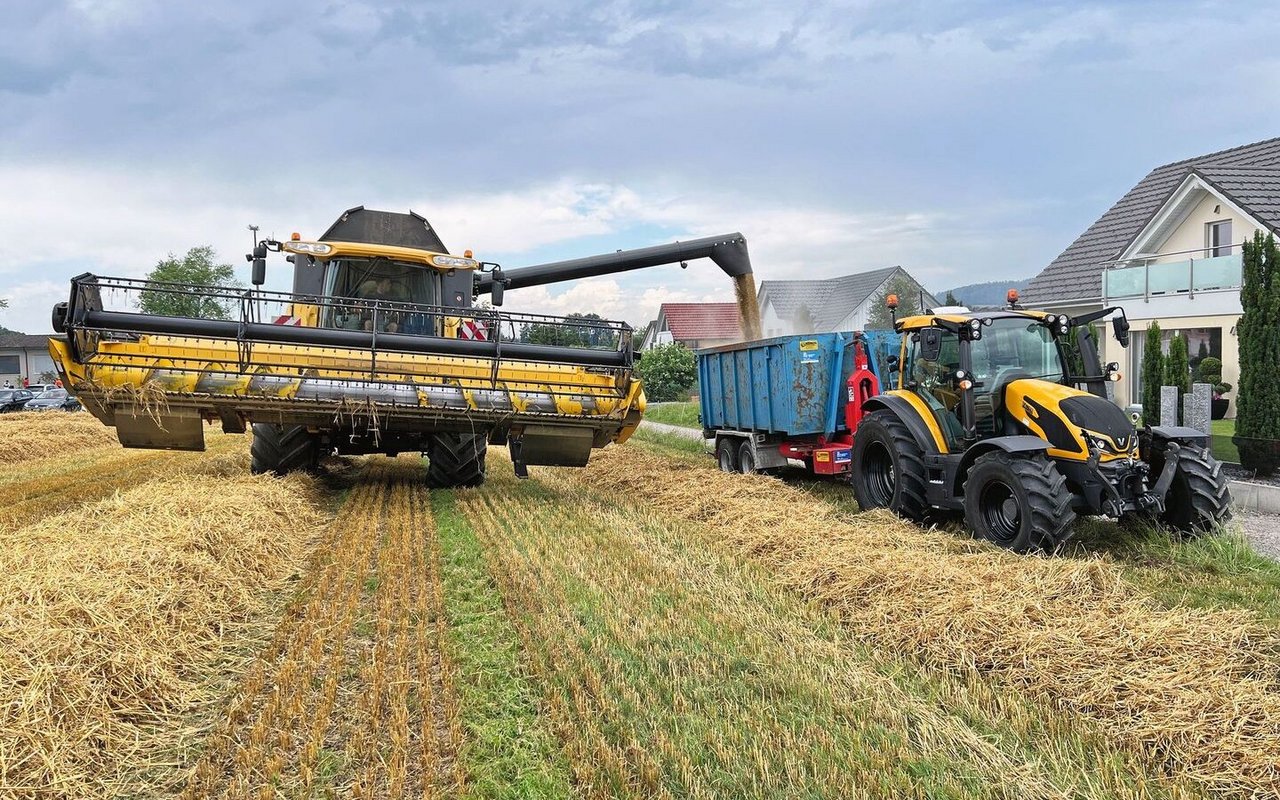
[(702, 320)]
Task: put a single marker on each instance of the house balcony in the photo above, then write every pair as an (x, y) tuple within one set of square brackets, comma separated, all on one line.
[(1170, 289)]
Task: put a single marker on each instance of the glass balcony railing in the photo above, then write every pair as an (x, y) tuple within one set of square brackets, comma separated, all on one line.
[(1177, 277)]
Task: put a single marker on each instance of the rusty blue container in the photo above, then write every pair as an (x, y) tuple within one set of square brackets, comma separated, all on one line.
[(791, 385)]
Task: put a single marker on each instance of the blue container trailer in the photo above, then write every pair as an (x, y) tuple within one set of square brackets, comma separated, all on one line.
[(788, 397)]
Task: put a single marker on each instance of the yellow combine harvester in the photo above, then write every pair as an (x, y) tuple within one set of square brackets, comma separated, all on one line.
[(378, 349)]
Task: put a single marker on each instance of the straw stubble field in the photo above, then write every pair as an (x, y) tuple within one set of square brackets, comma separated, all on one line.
[(648, 627)]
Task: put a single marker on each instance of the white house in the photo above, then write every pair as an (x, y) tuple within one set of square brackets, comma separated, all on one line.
[(1169, 251), (25, 356), (834, 304)]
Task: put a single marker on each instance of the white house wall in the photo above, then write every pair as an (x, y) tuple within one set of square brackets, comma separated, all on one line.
[(1190, 234)]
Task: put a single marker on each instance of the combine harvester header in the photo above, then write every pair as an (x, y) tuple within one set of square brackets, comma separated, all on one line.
[(378, 349)]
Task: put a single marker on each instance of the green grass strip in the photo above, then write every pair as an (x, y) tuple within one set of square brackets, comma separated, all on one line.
[(683, 414), (508, 748)]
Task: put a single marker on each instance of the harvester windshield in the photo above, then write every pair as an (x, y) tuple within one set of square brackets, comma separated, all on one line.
[(365, 281)]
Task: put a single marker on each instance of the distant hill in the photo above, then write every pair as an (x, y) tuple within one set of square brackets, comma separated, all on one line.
[(983, 294)]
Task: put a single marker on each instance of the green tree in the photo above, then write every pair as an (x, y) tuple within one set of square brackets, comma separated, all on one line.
[(803, 320), (908, 292), (1152, 374), (951, 300), (1177, 369), (1209, 371), (1258, 398), (190, 274), (668, 372), (4, 303)]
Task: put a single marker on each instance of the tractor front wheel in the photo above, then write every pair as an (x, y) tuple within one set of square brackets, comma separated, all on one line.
[(1019, 503), (1198, 499), (456, 460), (888, 467)]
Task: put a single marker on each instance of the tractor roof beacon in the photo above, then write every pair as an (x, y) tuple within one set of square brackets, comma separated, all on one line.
[(985, 416)]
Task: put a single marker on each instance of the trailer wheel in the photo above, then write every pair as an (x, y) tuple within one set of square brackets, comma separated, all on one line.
[(747, 458), (888, 467), (456, 459), (281, 449), (727, 455), (1019, 503), (1198, 499)]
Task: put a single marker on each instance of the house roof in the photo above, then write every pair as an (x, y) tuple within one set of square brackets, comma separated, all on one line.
[(1249, 175), (829, 301), (690, 321), (10, 340)]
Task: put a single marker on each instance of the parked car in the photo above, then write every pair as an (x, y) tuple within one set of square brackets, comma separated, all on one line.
[(53, 400), (14, 399)]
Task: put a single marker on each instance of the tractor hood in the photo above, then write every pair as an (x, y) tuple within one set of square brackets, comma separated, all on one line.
[(1072, 421)]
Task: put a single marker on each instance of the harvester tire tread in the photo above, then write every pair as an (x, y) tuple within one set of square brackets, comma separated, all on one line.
[(281, 449), (883, 433), (456, 460), (1199, 498), (1045, 514)]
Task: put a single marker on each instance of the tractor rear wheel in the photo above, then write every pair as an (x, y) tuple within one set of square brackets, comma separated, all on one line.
[(888, 467), (727, 454), (281, 449), (1198, 499), (1019, 503), (456, 460)]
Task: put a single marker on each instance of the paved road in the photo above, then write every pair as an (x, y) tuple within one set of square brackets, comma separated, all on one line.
[(677, 430)]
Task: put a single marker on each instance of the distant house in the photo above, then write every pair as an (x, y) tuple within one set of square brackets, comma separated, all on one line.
[(1169, 251), (833, 304), (24, 356), (695, 325)]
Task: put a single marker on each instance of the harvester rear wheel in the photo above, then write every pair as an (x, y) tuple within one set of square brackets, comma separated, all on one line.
[(727, 455), (1019, 503), (888, 467), (281, 449), (456, 460), (1198, 499)]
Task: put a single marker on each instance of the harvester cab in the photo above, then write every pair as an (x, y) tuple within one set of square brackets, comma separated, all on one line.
[(379, 348), (986, 417)]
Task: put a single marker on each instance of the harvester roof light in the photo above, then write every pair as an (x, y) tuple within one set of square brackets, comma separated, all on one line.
[(454, 262), (311, 248), (295, 236), (891, 301)]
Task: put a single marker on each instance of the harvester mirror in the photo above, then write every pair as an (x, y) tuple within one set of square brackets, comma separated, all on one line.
[(1120, 326), (258, 274), (930, 344), (495, 293)]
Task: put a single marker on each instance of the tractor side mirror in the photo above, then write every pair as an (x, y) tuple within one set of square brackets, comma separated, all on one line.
[(930, 344), (892, 363), (258, 272), (1120, 327)]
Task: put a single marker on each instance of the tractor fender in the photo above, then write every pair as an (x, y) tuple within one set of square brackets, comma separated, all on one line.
[(1179, 433), (905, 412), (1009, 444)]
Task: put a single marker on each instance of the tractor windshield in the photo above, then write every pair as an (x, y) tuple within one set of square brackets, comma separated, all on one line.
[(1012, 348), (370, 281)]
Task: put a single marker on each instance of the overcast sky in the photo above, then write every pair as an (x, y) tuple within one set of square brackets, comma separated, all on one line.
[(964, 141)]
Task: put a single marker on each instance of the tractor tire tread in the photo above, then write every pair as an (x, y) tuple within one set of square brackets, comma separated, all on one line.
[(1209, 490), (1048, 499), (910, 474)]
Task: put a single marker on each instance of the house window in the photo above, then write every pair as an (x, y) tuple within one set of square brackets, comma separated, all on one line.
[(1217, 238), (9, 365)]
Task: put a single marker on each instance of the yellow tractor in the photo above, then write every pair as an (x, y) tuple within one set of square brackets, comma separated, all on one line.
[(379, 348), (985, 418)]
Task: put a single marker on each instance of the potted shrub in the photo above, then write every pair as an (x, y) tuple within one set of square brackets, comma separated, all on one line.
[(1209, 371)]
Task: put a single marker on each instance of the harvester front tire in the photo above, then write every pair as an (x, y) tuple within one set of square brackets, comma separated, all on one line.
[(281, 449), (1018, 503), (888, 467), (456, 460), (1198, 499)]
